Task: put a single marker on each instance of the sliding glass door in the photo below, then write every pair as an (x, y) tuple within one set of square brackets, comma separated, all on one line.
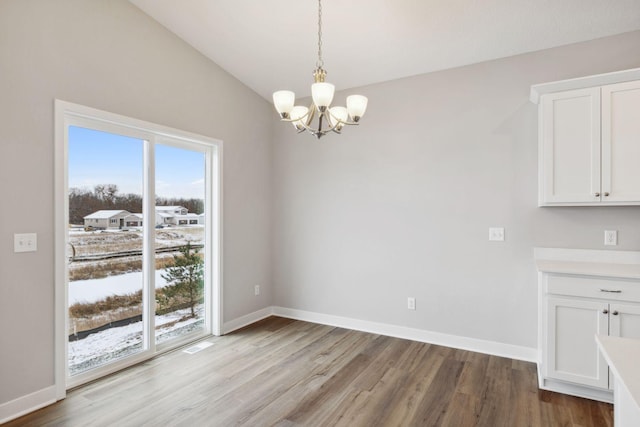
[(105, 278), (180, 242), (141, 244)]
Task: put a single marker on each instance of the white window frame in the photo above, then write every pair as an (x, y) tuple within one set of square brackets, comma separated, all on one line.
[(70, 114)]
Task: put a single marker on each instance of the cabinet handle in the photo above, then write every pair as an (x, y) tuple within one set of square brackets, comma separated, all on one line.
[(611, 291), (606, 194), (615, 313), (597, 194), (605, 311)]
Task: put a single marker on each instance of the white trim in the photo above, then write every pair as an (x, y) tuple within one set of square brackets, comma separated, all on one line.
[(464, 343), (583, 82), (68, 114), (60, 215), (25, 404), (215, 234), (247, 320), (575, 389)]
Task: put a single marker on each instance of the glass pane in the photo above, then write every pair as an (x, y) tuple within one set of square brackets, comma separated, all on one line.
[(180, 231), (105, 248)]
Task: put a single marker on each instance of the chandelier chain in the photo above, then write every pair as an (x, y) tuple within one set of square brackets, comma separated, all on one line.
[(320, 62)]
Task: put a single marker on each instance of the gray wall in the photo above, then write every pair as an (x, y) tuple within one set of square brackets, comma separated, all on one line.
[(109, 55), (397, 207), (401, 205)]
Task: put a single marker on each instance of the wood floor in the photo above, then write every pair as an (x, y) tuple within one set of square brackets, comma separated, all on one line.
[(290, 373)]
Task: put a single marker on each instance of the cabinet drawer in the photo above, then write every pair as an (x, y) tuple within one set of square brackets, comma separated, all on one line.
[(593, 287)]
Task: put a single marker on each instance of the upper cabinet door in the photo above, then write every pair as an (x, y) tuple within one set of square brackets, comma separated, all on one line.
[(621, 142), (569, 162)]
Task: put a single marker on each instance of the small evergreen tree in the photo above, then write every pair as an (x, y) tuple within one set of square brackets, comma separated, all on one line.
[(185, 280)]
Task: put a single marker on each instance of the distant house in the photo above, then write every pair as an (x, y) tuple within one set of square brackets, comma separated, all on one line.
[(105, 219), (133, 220), (118, 219), (187, 219), (175, 210)]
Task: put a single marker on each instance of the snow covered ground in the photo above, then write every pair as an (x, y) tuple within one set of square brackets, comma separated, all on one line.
[(92, 290), (115, 343)]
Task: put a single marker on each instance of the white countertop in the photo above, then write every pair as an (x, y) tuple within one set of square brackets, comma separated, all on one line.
[(623, 357), (624, 271), (588, 262)]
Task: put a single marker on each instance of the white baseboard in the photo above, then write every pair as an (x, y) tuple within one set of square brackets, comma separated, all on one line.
[(246, 320), (464, 343), (577, 390), (25, 404)]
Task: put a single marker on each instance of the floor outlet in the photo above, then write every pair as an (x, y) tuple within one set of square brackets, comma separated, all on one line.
[(411, 303)]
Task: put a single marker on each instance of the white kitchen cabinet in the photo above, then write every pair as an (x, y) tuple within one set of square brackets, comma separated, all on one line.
[(569, 128), (578, 299), (625, 320), (621, 142), (572, 353), (589, 142)]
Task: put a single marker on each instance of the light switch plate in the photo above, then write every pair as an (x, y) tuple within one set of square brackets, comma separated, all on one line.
[(25, 242), (496, 234)]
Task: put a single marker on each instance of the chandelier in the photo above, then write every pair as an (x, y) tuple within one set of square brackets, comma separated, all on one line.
[(329, 119)]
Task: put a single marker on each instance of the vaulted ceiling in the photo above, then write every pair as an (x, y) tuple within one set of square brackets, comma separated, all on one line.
[(272, 44)]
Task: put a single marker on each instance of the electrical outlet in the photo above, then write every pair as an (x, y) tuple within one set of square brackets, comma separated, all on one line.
[(256, 290), (610, 237), (496, 234), (411, 303), (26, 242)]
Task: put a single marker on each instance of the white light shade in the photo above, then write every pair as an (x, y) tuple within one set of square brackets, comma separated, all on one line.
[(339, 116), (356, 106), (322, 94), (298, 115), (283, 101)]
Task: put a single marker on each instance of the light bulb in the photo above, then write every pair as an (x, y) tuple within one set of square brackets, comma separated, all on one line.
[(299, 115), (322, 94), (283, 101), (339, 116), (356, 106)]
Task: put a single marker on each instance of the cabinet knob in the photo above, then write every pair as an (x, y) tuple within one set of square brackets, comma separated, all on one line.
[(615, 313), (606, 194), (596, 194), (605, 311)]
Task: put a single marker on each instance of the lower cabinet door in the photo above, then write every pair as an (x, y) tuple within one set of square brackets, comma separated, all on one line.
[(572, 353), (624, 321)]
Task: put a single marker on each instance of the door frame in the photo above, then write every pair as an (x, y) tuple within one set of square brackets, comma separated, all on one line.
[(67, 114)]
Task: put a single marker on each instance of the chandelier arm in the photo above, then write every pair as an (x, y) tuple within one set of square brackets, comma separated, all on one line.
[(290, 120), (312, 114)]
